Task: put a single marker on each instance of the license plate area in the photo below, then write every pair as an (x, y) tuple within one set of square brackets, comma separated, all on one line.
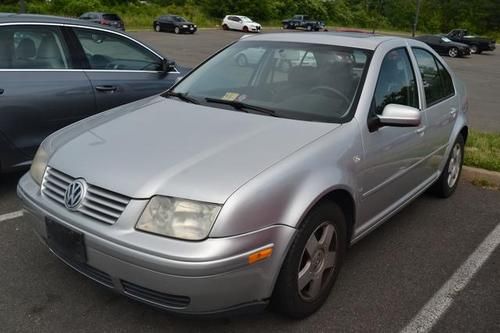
[(68, 243)]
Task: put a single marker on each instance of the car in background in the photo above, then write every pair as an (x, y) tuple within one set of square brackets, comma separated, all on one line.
[(444, 45), (174, 23), (107, 19), (241, 186), (55, 71), (303, 22), (241, 23), (476, 43)]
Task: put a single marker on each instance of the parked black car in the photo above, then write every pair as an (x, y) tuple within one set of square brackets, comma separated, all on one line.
[(304, 22), (174, 23), (55, 71), (107, 19), (444, 45), (477, 44)]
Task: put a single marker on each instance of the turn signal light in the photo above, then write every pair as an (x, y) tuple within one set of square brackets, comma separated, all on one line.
[(260, 255)]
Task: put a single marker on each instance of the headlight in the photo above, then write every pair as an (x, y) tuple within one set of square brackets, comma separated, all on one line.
[(195, 26), (39, 164), (178, 218), (184, 26)]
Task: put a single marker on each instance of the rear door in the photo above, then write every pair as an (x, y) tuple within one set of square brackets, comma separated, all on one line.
[(120, 69), (41, 90), (441, 104)]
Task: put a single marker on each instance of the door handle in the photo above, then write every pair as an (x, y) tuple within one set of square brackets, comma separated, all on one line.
[(420, 131), (453, 112), (106, 88)]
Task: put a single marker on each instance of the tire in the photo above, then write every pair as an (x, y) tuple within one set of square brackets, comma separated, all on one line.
[(286, 26), (242, 60), (479, 51), (307, 257), (473, 49), (309, 28), (225, 27), (245, 29), (453, 52), (177, 30), (448, 180), (157, 28)]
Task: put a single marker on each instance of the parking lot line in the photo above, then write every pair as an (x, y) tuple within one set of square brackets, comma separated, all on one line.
[(10, 216), (442, 300)]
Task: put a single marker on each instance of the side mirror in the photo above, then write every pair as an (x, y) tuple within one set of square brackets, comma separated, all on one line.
[(167, 65), (400, 116)]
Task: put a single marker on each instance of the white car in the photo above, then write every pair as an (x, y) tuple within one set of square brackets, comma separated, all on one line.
[(242, 23)]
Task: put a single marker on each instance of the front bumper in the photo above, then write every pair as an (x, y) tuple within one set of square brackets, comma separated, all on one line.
[(207, 277), (188, 29)]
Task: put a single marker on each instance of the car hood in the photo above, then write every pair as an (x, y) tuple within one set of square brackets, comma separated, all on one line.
[(172, 148)]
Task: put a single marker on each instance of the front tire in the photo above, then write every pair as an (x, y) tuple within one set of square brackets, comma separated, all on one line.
[(157, 28), (177, 30), (453, 52), (312, 263), (448, 180), (245, 29), (309, 28), (473, 49)]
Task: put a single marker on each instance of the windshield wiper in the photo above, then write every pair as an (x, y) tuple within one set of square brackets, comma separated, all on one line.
[(182, 96), (242, 106)]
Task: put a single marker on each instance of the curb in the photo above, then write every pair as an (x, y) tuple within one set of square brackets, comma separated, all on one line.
[(475, 174)]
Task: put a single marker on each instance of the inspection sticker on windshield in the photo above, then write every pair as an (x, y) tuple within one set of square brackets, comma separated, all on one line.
[(231, 96)]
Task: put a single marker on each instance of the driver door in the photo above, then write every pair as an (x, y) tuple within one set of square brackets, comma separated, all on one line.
[(120, 69)]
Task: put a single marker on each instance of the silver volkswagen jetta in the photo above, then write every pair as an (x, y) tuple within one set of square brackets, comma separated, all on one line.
[(247, 181)]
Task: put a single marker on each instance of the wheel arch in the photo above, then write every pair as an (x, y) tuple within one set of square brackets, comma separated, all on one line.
[(345, 201)]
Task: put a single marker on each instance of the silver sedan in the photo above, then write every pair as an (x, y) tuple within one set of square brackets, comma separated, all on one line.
[(247, 182)]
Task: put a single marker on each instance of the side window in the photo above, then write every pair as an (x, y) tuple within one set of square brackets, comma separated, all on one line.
[(33, 47), (438, 84), (396, 82), (107, 51)]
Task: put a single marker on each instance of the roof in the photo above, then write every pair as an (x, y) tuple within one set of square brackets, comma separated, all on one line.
[(33, 18), (358, 40)]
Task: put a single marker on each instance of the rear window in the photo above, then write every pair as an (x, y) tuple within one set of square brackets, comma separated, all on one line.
[(111, 17)]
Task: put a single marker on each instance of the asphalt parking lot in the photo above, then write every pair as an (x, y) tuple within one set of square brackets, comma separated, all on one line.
[(389, 278)]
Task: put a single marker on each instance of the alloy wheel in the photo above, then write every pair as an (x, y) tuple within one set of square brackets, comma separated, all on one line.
[(453, 52), (317, 262), (454, 165)]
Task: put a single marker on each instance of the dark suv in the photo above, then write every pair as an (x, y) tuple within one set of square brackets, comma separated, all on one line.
[(108, 19)]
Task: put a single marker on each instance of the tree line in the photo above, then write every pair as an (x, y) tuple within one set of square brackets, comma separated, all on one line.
[(481, 16)]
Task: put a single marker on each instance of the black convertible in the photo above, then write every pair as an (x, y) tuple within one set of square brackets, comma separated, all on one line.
[(444, 45)]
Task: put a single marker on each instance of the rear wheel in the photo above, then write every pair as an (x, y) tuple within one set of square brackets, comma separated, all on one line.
[(309, 28), (453, 52), (225, 27), (313, 262), (448, 181), (286, 26)]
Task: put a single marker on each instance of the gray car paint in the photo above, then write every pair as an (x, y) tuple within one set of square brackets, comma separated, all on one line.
[(274, 171), (37, 102)]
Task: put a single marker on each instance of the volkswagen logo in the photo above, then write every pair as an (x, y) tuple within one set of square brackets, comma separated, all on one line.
[(75, 193)]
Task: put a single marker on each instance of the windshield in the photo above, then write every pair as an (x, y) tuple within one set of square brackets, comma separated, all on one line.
[(245, 19), (294, 80), (445, 39)]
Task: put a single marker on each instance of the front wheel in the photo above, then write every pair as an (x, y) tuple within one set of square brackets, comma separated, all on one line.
[(157, 28), (448, 181), (177, 30), (453, 52), (473, 48), (309, 28), (312, 263)]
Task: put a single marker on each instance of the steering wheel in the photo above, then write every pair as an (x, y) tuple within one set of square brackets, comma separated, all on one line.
[(331, 90)]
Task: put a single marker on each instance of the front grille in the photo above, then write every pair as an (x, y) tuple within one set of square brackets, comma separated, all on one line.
[(91, 272), (155, 297), (99, 204)]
